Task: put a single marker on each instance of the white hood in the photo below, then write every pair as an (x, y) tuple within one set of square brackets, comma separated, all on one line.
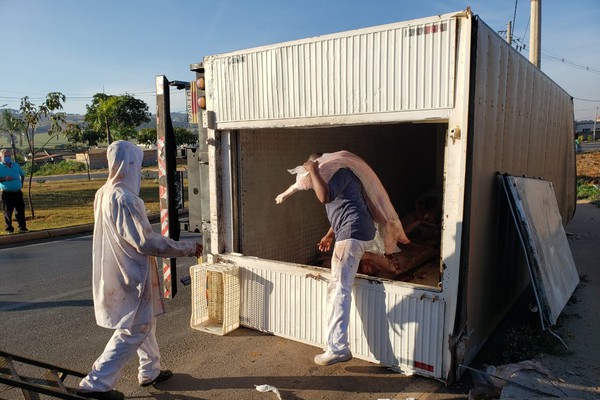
[(125, 165)]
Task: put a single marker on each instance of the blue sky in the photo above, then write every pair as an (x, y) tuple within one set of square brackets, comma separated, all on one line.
[(81, 47)]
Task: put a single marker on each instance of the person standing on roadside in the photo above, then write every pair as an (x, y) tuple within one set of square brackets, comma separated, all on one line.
[(353, 229), (11, 183), (126, 286)]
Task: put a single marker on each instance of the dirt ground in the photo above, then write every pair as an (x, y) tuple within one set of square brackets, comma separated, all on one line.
[(588, 165)]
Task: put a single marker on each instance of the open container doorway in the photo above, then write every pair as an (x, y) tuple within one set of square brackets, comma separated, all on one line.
[(408, 159)]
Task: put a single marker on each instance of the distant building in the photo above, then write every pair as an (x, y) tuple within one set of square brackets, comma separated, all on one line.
[(585, 128)]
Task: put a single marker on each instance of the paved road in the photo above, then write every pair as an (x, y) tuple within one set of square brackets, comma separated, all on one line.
[(46, 313), (93, 175)]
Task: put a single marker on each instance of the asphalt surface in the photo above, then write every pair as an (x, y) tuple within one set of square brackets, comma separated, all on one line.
[(229, 367)]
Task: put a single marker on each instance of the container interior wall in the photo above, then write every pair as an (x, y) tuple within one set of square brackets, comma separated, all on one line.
[(408, 158)]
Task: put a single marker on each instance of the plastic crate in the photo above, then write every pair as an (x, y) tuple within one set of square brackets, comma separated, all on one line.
[(215, 298)]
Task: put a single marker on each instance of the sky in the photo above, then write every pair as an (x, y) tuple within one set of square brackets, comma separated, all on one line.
[(83, 47)]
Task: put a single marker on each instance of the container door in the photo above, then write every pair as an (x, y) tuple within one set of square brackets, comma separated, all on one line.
[(539, 225)]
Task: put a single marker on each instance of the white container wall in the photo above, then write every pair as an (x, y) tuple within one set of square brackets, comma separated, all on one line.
[(393, 325), (399, 67)]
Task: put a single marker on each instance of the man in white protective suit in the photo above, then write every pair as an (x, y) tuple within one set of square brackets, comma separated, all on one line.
[(126, 286)]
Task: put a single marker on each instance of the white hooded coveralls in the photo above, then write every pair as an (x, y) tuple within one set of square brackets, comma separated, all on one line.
[(126, 286)]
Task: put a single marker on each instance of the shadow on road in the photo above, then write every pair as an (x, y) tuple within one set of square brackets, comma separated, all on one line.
[(21, 306)]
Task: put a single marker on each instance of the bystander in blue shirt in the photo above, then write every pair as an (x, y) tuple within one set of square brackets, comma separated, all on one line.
[(11, 183)]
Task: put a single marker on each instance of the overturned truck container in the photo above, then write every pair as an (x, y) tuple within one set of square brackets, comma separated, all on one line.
[(440, 108)]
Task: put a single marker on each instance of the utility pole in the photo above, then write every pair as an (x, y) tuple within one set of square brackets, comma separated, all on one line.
[(509, 33), (595, 120), (535, 33)]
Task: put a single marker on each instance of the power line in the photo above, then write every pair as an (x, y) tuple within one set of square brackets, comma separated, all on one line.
[(140, 93), (137, 92), (520, 45)]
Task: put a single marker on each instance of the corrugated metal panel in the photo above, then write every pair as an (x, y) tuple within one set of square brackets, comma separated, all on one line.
[(291, 302), (414, 321), (398, 67), (522, 125), (553, 272)]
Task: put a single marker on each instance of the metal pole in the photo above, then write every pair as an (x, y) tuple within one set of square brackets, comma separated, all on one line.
[(595, 120), (169, 216), (509, 32), (535, 33)]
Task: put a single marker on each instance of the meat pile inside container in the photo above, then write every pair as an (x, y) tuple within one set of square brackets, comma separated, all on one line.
[(423, 227)]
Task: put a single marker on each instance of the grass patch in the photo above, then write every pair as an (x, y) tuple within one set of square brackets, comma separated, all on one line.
[(587, 189), (60, 204)]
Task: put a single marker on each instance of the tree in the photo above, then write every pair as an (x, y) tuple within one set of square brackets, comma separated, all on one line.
[(117, 117), (183, 136), (11, 126), (30, 119), (84, 137), (147, 136)]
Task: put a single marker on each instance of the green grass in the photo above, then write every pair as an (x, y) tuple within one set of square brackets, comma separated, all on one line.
[(587, 190), (60, 204)]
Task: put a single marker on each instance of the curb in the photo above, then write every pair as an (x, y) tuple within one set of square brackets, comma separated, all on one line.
[(54, 233), (49, 234)]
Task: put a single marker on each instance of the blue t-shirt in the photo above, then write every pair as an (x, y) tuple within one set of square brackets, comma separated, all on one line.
[(17, 174), (347, 210)]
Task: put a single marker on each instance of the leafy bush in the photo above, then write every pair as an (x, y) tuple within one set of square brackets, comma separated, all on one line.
[(27, 168)]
